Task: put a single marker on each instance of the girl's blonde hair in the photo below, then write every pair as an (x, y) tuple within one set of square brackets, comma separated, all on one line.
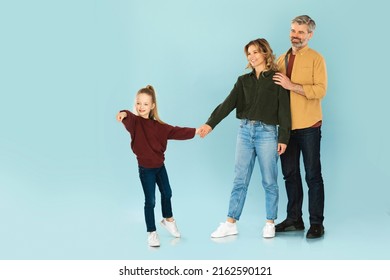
[(265, 49), (149, 90)]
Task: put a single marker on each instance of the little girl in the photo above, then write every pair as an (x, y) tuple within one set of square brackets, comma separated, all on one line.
[(149, 137)]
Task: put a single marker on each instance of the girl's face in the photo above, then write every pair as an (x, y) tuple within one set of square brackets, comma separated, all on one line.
[(255, 58), (144, 105)]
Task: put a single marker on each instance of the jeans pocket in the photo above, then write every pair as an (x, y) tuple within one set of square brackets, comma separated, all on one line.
[(269, 127)]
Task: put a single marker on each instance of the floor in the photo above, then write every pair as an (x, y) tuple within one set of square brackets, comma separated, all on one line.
[(102, 219)]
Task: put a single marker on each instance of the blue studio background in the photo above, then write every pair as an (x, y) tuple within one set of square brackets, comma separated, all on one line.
[(69, 186)]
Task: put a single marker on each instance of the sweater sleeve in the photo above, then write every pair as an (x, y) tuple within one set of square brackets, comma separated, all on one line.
[(180, 133), (128, 122), (284, 115), (317, 90), (224, 109)]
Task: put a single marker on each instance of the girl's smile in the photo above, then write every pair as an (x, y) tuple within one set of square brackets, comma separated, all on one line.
[(144, 105)]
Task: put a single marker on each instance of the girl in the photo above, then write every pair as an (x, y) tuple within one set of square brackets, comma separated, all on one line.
[(149, 137)]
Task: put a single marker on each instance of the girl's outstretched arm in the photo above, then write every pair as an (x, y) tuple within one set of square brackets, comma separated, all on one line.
[(120, 116)]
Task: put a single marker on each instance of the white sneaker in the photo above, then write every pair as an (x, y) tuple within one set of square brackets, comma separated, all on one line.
[(170, 227), (269, 230), (153, 239), (225, 229)]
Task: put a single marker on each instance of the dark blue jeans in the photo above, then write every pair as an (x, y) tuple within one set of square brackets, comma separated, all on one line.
[(149, 178), (305, 141)]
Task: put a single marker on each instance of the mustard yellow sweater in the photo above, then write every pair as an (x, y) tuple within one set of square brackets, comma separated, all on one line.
[(309, 70)]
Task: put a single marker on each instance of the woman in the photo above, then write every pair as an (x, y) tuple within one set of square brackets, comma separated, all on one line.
[(264, 110)]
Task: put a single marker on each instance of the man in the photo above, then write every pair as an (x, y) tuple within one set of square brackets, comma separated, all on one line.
[(303, 73)]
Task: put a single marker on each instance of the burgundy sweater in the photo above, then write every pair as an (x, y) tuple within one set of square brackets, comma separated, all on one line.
[(149, 138)]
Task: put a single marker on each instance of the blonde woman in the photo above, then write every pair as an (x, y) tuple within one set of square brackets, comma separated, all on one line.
[(264, 112)]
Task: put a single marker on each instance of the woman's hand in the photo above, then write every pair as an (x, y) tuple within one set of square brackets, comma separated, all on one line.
[(281, 148), (204, 130)]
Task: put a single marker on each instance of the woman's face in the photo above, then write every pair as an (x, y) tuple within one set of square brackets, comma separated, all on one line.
[(255, 57), (144, 104)]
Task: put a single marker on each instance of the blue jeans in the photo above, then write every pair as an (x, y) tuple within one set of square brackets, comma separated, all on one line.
[(149, 177), (255, 139), (307, 141)]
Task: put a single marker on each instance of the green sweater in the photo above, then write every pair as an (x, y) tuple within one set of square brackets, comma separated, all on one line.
[(257, 100)]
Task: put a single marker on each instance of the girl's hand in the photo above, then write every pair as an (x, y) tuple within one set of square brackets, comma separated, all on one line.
[(120, 116)]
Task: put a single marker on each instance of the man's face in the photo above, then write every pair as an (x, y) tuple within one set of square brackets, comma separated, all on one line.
[(299, 35)]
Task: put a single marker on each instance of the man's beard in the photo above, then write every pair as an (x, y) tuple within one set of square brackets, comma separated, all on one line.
[(297, 43)]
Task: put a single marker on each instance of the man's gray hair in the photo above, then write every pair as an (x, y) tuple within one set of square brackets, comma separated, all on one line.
[(304, 19)]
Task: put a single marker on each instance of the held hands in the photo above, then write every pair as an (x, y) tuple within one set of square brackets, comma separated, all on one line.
[(204, 130), (120, 116)]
